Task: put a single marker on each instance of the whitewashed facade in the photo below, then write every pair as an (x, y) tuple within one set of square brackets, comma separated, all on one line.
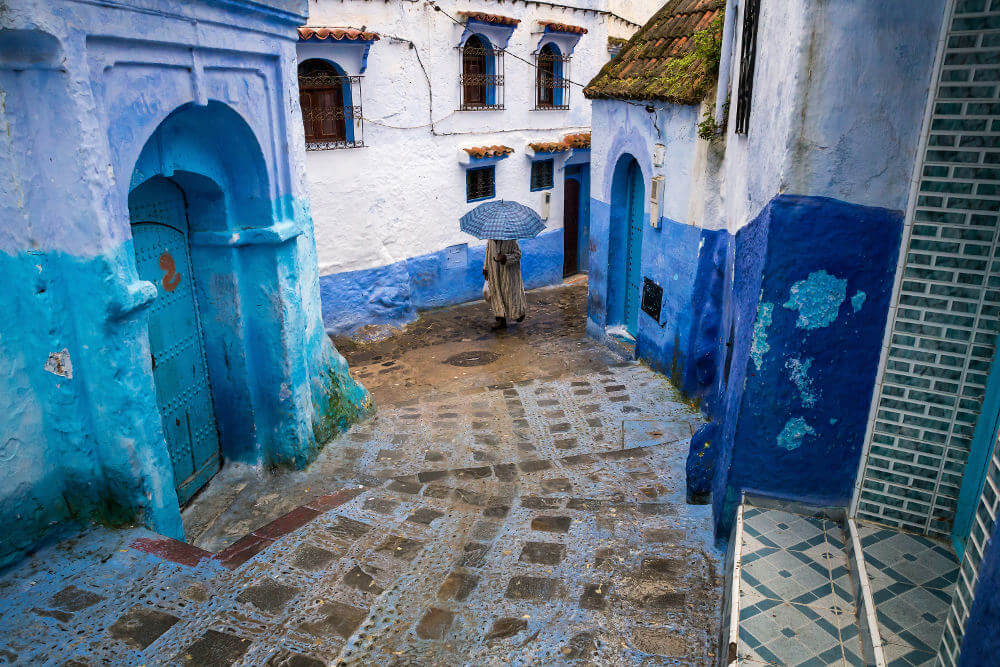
[(387, 208)]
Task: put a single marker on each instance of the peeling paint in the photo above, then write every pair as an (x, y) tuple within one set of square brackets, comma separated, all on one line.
[(759, 346), (818, 299), (795, 430), (798, 371), (59, 363), (858, 300)]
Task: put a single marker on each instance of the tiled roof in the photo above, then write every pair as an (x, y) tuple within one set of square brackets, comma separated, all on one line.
[(337, 34), (490, 18), (578, 140), (563, 27), (660, 61), (549, 146), (488, 151)]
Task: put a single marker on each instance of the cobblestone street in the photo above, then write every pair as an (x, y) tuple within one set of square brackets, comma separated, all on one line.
[(517, 499)]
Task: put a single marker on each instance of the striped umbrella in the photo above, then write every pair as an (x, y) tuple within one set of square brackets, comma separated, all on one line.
[(502, 220)]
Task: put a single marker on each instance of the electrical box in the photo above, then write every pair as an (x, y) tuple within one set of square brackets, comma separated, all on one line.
[(655, 201), (652, 299), (546, 205)]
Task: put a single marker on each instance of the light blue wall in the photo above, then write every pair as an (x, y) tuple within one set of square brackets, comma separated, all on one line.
[(91, 109)]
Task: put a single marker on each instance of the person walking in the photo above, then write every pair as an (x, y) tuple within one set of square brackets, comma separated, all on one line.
[(505, 289)]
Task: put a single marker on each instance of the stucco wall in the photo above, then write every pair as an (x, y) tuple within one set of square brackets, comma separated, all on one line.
[(80, 431), (384, 208)]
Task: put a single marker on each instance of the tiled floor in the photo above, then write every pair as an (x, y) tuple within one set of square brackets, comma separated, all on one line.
[(912, 580), (796, 600)]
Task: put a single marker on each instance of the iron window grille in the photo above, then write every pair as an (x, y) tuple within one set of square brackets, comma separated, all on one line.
[(481, 76), (480, 183), (542, 174), (330, 115), (551, 80), (748, 58)]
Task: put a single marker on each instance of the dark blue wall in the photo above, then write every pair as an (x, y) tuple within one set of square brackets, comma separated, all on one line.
[(811, 289), (981, 643), (393, 294)]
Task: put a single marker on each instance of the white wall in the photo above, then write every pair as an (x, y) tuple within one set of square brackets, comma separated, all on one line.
[(402, 194)]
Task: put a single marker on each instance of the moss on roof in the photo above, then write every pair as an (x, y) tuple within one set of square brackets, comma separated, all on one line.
[(673, 58)]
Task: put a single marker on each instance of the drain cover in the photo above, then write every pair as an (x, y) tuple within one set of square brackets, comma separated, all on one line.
[(472, 358)]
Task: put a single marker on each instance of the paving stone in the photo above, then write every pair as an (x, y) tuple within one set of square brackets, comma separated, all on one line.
[(268, 596), (411, 488), (552, 524), (588, 504), (579, 647), (657, 509), (434, 457), (544, 553), (595, 596), (424, 515), (348, 529), (662, 641), (437, 491), (457, 586), (559, 428), (506, 472), (560, 485), (73, 599), (610, 388), (578, 459), (140, 626), (534, 466), (473, 555), (432, 475), (525, 587), (214, 648), (506, 627), (361, 580), (665, 535), (566, 443), (308, 557), (400, 547), (294, 660), (540, 503), (435, 623), (335, 618), (496, 511), (484, 530), (474, 473), (381, 505), (469, 497)]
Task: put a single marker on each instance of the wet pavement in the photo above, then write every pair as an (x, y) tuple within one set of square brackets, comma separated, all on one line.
[(518, 499)]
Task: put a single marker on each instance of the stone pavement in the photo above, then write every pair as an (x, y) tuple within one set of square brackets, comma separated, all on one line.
[(510, 512)]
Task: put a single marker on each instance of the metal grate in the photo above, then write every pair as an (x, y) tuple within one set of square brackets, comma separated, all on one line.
[(479, 183), (542, 174), (552, 81), (331, 107), (944, 328), (748, 58), (481, 77)]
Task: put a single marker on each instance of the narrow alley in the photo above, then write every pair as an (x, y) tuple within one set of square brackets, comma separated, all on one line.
[(518, 499)]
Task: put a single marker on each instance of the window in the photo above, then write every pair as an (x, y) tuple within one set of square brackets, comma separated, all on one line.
[(482, 75), (748, 58), (541, 174), (552, 79), (479, 183), (325, 95)]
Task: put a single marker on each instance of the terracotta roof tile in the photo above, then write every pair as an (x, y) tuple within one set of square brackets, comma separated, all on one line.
[(653, 65), (563, 27), (578, 140), (337, 34), (549, 146), (490, 18), (488, 151)]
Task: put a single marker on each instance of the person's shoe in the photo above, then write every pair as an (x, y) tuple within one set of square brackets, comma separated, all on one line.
[(501, 323)]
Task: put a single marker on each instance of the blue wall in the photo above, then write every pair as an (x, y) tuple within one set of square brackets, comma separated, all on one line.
[(811, 289), (80, 430), (394, 293), (981, 643)]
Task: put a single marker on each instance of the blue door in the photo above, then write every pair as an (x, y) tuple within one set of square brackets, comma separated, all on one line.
[(633, 250), (983, 441), (160, 235)]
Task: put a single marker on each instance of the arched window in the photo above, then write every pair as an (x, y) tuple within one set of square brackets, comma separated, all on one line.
[(325, 97), (476, 57), (550, 81)]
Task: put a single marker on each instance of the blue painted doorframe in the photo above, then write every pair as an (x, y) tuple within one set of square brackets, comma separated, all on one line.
[(983, 441), (633, 252), (157, 211)]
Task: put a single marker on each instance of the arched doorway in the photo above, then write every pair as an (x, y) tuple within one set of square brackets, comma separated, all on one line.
[(160, 230), (625, 257)]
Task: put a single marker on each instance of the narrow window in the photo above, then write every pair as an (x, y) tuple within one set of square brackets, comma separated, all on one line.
[(327, 113), (475, 73), (551, 81), (479, 183), (541, 174), (748, 58)]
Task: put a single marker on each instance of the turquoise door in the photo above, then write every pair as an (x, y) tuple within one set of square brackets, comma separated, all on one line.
[(633, 250), (983, 441), (183, 394)]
